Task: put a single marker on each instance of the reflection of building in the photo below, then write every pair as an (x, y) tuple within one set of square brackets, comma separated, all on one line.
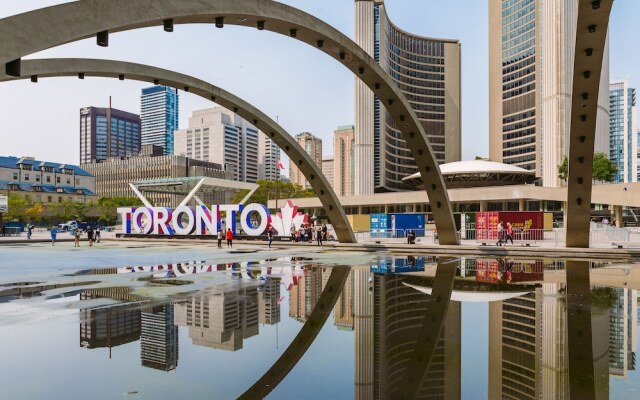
[(220, 321), (313, 147), (109, 326), (427, 71), (387, 322), (268, 302), (159, 338), (623, 341), (304, 296), (343, 310)]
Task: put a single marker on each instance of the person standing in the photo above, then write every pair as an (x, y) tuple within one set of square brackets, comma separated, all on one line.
[(509, 233), (219, 238), (319, 235), (500, 234), (270, 236), (54, 234), (29, 230), (229, 238), (293, 233), (90, 235), (324, 232), (76, 237), (98, 235)]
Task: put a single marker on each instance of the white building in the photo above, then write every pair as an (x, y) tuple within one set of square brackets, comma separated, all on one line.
[(268, 159), (220, 136)]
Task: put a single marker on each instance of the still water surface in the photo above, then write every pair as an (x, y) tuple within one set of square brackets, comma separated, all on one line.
[(307, 327)]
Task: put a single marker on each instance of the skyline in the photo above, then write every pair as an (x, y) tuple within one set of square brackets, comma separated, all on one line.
[(274, 73)]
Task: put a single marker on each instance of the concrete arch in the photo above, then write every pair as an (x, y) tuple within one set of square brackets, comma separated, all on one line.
[(84, 19), (593, 22), (139, 72)]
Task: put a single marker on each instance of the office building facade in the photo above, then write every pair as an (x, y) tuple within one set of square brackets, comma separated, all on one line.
[(344, 160), (427, 71), (159, 107), (113, 176), (107, 132), (530, 85), (328, 170), (268, 159), (313, 147), (623, 139), (220, 136)]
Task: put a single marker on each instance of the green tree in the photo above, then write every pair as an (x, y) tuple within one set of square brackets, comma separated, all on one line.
[(69, 209), (603, 168), (563, 169), (17, 208), (268, 190), (108, 207)]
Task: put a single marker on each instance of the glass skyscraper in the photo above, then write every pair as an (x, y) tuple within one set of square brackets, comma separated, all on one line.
[(623, 143), (98, 142), (159, 115)]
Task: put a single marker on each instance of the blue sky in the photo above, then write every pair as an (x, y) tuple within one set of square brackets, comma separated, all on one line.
[(306, 89)]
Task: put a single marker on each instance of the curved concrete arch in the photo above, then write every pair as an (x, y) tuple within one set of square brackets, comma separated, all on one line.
[(86, 18), (593, 22), (140, 72)]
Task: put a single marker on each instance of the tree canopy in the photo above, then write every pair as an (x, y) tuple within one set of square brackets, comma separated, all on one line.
[(108, 207), (268, 190), (603, 169)]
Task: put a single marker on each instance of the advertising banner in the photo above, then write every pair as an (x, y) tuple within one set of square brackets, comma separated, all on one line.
[(487, 225)]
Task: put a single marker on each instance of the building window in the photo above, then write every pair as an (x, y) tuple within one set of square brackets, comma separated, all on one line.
[(68, 181), (49, 199), (26, 177), (48, 179), (15, 175), (59, 199), (57, 179), (37, 178)]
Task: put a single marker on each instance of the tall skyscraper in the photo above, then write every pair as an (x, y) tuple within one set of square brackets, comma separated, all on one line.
[(223, 137), (344, 159), (159, 115), (427, 71), (623, 139), (313, 146), (531, 53), (328, 169), (107, 132), (268, 159)]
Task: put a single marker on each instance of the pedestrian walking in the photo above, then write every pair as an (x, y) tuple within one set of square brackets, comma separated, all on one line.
[(90, 235), (509, 233), (98, 237), (324, 232), (54, 234), (270, 236), (319, 235), (500, 234), (76, 237), (229, 238), (29, 230), (219, 238)]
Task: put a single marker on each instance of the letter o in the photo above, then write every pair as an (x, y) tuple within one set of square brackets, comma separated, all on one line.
[(264, 219), (137, 219), (176, 220)]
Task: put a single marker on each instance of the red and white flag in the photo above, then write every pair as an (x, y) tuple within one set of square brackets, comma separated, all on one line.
[(280, 165)]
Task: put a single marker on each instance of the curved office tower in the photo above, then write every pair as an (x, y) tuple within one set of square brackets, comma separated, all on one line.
[(531, 82), (427, 70)]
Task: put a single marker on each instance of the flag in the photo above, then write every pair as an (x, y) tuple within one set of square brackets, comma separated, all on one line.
[(280, 165)]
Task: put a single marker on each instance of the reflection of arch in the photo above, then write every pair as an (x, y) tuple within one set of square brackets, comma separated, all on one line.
[(303, 339), (83, 19), (108, 68), (593, 21)]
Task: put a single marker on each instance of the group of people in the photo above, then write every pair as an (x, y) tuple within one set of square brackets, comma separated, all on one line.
[(93, 235), (504, 234), (227, 235), (309, 233)]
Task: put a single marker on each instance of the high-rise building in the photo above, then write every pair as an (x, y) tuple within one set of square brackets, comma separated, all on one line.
[(531, 54), (313, 146), (328, 169), (107, 132), (344, 159), (268, 159), (427, 71), (220, 136), (159, 116), (623, 139), (159, 338)]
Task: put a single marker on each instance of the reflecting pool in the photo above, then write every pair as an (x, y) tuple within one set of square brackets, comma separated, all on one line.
[(320, 325)]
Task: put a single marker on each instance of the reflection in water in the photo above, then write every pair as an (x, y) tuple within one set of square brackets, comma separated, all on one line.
[(159, 338)]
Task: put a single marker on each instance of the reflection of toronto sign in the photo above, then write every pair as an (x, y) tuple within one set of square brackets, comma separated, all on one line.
[(201, 220)]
